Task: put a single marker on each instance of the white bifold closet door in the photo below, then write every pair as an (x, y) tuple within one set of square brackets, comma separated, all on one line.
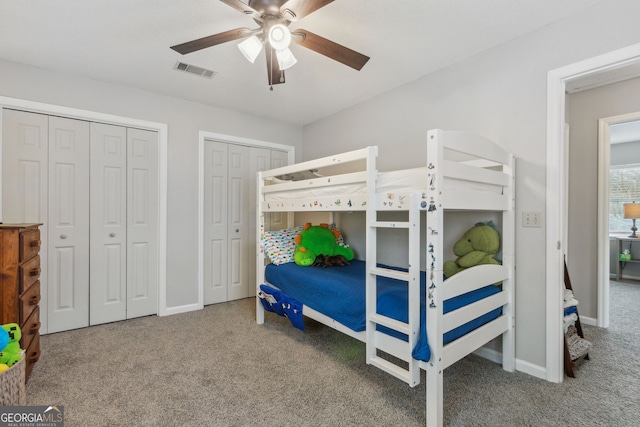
[(95, 189), (123, 223), (68, 218), (230, 217)]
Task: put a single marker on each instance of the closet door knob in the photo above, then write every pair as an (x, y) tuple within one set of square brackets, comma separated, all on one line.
[(63, 236), (112, 234)]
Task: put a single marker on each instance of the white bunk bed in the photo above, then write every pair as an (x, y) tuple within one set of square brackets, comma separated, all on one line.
[(479, 176)]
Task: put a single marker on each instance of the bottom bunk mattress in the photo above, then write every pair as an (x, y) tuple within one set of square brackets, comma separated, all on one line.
[(339, 293)]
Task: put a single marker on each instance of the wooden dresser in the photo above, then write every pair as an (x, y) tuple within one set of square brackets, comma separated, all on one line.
[(19, 285)]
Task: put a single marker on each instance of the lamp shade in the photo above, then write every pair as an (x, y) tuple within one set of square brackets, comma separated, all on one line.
[(632, 210), (250, 48), (285, 59)]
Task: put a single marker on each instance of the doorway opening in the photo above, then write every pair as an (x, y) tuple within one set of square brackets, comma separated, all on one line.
[(556, 193), (619, 130)]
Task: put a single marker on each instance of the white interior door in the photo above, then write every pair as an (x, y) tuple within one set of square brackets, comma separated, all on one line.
[(239, 226), (108, 210), (68, 239), (142, 223), (93, 270), (260, 160), (215, 222), (25, 141), (230, 217)]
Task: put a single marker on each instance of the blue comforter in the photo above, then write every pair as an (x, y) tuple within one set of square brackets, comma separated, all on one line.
[(339, 292)]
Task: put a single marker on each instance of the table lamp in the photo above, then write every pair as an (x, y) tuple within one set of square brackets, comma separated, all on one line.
[(632, 211)]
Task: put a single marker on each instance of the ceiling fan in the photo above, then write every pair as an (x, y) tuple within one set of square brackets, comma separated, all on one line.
[(274, 18)]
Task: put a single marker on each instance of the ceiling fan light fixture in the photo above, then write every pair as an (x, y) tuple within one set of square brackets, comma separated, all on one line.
[(285, 59), (250, 48), (279, 37)]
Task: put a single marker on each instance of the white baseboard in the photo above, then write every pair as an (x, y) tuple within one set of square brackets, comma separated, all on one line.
[(489, 354), (624, 277), (531, 369), (589, 321), (521, 365), (180, 309)]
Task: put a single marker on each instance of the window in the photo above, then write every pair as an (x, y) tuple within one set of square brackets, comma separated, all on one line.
[(624, 187)]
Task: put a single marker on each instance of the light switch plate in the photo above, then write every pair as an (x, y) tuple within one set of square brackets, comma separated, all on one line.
[(532, 219)]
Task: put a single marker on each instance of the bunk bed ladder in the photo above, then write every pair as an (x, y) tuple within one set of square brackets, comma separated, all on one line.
[(409, 371)]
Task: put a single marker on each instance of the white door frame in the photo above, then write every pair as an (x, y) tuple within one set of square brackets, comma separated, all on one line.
[(604, 160), (556, 83), (202, 136), (161, 128)]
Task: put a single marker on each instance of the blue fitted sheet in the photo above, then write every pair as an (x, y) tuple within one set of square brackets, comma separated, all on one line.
[(339, 293)]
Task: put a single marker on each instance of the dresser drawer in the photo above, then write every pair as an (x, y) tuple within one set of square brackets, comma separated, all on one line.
[(29, 244), (29, 273), (32, 355), (29, 301), (30, 328)]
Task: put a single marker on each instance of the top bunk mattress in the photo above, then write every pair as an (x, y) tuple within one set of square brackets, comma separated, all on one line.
[(339, 293)]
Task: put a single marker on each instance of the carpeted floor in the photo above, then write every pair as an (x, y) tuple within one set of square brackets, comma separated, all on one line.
[(216, 367)]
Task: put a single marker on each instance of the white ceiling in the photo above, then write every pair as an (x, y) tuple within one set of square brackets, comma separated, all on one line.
[(127, 43)]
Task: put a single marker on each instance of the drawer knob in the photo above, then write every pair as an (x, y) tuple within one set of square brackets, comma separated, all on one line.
[(35, 243), (34, 328), (112, 234), (35, 272), (33, 357), (34, 300), (63, 236)]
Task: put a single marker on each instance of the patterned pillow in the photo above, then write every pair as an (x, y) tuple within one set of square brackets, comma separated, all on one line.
[(279, 245)]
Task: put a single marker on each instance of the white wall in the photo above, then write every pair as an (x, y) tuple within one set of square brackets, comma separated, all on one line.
[(500, 94), (184, 120), (584, 109)]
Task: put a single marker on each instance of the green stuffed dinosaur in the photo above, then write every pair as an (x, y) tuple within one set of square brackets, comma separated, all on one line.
[(318, 240), (11, 353), (477, 246)]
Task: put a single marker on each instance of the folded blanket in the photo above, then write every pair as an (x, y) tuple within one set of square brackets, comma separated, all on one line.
[(569, 320), (569, 299)]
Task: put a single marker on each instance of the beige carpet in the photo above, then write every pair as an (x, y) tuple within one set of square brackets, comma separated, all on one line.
[(216, 367)]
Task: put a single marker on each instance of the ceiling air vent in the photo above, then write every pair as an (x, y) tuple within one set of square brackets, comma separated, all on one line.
[(192, 69)]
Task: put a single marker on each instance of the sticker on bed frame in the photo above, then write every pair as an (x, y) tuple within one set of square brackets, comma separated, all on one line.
[(432, 205)]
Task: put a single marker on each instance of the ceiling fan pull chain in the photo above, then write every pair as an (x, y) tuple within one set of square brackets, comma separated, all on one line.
[(271, 69)]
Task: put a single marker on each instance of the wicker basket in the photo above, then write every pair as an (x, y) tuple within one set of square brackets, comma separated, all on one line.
[(12, 386)]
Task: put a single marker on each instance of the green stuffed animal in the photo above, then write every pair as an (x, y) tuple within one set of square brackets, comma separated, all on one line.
[(477, 246), (12, 353), (318, 240)]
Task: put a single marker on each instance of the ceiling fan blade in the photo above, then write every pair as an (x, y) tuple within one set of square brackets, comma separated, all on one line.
[(294, 10), (330, 49), (242, 7), (213, 40), (274, 74)]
